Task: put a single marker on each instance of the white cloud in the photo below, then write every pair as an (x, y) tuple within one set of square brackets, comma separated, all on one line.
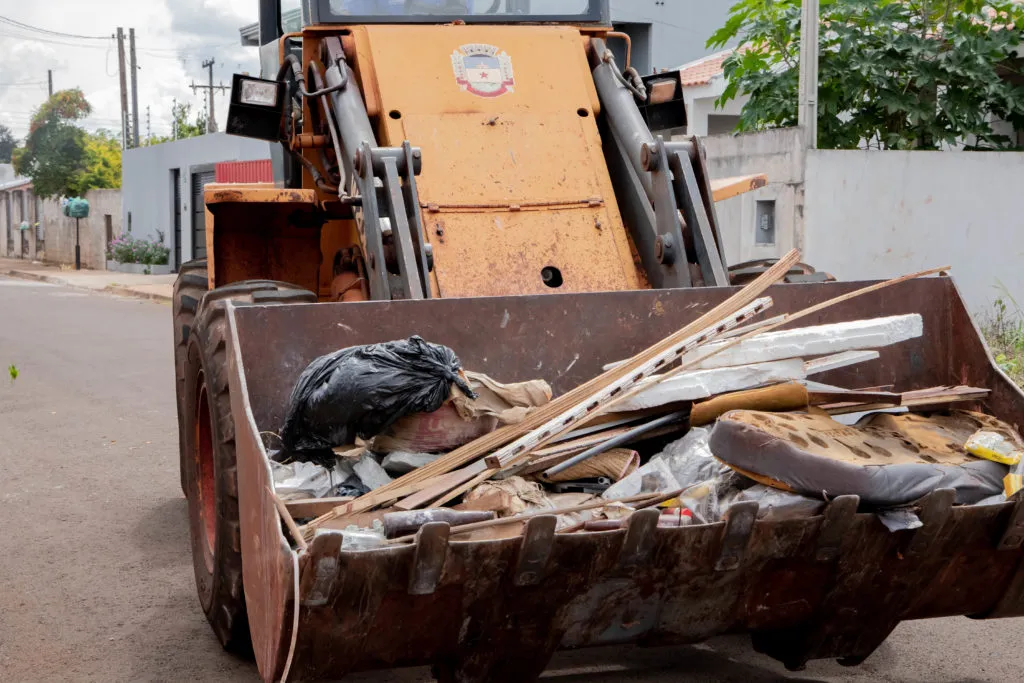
[(173, 38)]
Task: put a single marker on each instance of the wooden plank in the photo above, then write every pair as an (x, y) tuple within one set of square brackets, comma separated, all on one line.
[(734, 186), (308, 508), (922, 398)]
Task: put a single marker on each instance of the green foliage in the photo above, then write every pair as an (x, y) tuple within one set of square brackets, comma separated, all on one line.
[(54, 154), (893, 74), (103, 161), (7, 144), (128, 249), (184, 125), (1004, 332), (60, 157), (12, 370)]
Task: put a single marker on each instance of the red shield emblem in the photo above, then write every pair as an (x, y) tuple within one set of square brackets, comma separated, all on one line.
[(483, 70)]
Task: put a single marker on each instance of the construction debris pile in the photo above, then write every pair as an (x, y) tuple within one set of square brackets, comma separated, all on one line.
[(383, 439)]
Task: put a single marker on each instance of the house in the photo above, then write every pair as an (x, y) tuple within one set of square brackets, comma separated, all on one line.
[(19, 213), (703, 83)]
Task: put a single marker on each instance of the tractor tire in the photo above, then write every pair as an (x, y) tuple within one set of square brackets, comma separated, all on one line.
[(189, 288), (210, 476)]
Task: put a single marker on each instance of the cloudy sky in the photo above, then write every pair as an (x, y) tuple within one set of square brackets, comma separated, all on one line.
[(173, 38)]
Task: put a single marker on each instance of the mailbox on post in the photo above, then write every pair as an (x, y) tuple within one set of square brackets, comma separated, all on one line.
[(78, 209)]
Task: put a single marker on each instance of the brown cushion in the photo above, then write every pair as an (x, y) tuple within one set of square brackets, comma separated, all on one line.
[(885, 459)]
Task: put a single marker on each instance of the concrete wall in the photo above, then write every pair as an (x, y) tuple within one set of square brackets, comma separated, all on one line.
[(679, 28), (779, 155), (148, 189), (883, 214), (59, 230)]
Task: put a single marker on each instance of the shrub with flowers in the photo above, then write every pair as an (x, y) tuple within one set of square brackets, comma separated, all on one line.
[(128, 249)]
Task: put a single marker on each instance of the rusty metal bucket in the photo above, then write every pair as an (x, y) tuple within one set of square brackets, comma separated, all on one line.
[(832, 586)]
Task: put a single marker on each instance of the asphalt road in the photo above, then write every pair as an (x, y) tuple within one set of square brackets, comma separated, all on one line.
[(95, 575)]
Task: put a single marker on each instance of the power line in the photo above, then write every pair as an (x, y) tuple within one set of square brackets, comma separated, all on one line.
[(37, 29), (36, 39)]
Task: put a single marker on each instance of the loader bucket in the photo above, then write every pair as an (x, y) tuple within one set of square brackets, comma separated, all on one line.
[(831, 586)]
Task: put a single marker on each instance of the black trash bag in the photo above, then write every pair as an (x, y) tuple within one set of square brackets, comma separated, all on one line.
[(363, 390)]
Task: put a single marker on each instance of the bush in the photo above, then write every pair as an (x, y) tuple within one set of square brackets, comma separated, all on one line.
[(128, 249), (1004, 331)]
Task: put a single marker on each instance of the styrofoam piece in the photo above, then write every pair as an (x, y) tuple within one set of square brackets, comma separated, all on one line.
[(838, 360), (812, 341), (691, 386), (370, 472)]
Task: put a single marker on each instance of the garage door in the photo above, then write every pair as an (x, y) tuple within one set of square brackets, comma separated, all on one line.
[(199, 181)]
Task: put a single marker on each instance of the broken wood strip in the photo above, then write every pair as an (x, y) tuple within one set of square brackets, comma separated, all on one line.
[(307, 508), (727, 188), (444, 484), (913, 399), (594, 403), (293, 528), (490, 442), (465, 488), (819, 397), (650, 498)]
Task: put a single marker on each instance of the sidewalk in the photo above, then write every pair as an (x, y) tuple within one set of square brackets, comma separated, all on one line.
[(156, 287)]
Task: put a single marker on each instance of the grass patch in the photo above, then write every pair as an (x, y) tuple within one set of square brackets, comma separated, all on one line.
[(1004, 332)]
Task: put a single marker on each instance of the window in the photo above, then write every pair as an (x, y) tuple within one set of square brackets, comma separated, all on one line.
[(721, 124), (470, 10), (764, 226)]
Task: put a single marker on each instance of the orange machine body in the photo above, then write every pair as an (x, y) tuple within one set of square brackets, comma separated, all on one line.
[(513, 184)]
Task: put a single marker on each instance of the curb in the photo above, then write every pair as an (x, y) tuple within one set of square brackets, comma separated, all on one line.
[(28, 275), (116, 290), (127, 291)]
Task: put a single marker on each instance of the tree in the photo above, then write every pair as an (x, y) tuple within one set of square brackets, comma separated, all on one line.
[(183, 127), (893, 74), (7, 144), (102, 160), (61, 158)]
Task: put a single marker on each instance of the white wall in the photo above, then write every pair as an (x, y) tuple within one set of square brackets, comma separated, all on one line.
[(779, 155), (59, 230), (883, 214), (148, 189)]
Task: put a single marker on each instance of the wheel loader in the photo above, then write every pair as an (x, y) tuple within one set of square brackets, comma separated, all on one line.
[(483, 173)]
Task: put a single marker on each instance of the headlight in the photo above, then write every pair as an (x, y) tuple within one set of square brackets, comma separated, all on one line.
[(259, 93)]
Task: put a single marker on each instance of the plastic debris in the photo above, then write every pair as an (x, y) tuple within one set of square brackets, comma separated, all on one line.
[(993, 446), (653, 477), (363, 390), (900, 520), (690, 458)]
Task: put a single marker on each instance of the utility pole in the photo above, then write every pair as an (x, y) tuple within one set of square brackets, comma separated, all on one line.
[(211, 123), (49, 77), (135, 89), (807, 113), (124, 88), (174, 119), (149, 126)]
